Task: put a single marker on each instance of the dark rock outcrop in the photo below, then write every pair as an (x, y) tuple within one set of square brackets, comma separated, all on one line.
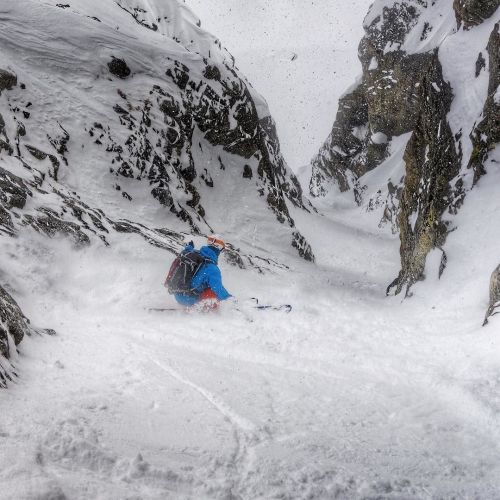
[(494, 295), (474, 12), (7, 80), (304, 249), (247, 172), (119, 68)]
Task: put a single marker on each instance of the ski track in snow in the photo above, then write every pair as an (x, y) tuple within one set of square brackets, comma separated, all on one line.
[(239, 463)]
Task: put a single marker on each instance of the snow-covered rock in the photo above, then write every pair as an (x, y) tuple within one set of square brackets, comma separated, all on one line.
[(418, 80)]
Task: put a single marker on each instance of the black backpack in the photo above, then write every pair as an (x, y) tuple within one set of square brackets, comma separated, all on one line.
[(183, 270)]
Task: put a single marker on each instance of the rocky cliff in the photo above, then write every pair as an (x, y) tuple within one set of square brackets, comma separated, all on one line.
[(124, 116), (421, 126)]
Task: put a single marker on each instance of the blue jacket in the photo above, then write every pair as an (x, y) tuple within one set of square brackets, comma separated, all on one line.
[(208, 276)]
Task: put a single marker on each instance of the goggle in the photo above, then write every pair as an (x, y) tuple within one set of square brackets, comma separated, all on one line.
[(215, 242)]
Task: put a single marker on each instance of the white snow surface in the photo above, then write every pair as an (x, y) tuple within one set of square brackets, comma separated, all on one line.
[(352, 395)]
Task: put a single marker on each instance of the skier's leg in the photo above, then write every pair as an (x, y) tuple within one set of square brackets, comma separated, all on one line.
[(208, 301)]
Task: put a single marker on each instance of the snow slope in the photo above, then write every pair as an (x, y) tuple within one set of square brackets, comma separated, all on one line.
[(351, 395)]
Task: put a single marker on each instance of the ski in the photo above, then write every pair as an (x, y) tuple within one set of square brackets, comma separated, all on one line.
[(283, 307), (271, 307), (163, 309), (260, 307)]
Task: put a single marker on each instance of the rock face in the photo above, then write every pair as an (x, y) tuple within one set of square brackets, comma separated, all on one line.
[(401, 118), (494, 295)]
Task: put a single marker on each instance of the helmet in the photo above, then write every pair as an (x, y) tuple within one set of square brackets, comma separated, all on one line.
[(215, 242)]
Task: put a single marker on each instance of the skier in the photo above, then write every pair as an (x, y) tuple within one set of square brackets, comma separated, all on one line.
[(205, 286)]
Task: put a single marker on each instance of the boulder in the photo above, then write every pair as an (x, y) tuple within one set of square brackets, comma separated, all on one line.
[(119, 68)]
